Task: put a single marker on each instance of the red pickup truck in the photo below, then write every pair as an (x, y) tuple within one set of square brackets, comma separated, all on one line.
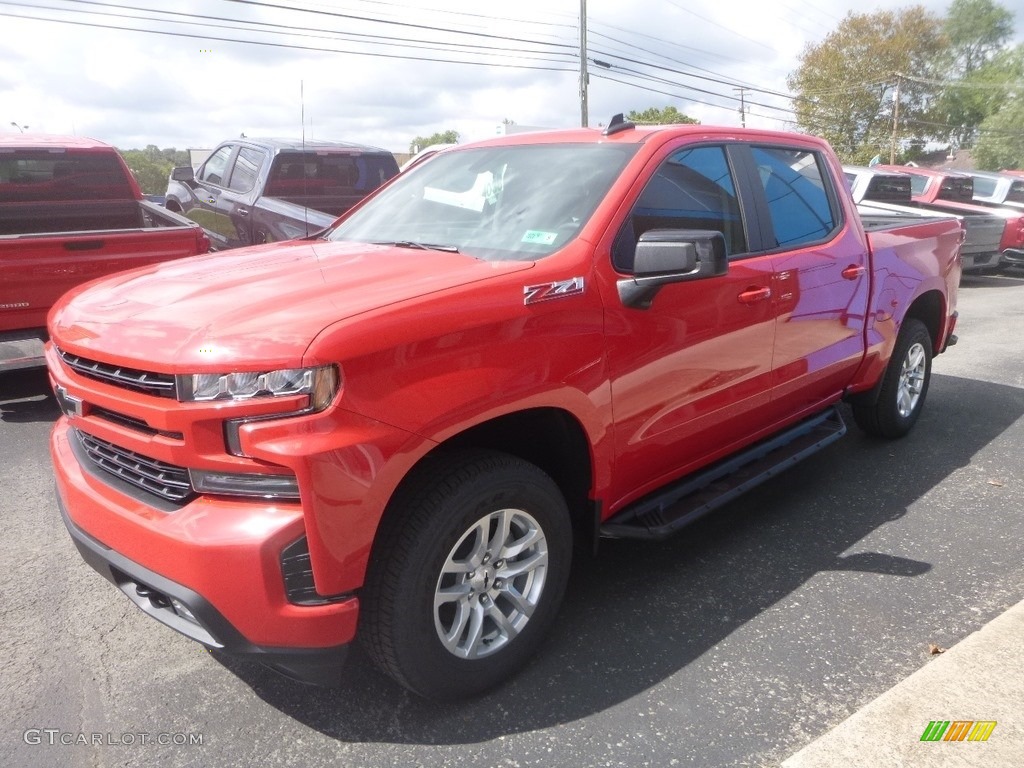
[(952, 192), (71, 211), (399, 428)]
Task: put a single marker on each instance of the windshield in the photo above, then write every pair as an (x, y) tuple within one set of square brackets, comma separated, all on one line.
[(493, 203)]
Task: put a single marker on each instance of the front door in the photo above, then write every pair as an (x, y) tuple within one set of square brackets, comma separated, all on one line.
[(691, 374)]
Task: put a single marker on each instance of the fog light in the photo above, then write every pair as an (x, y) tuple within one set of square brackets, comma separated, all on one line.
[(247, 484)]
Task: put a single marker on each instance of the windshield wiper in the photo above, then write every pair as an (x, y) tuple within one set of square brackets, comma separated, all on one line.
[(421, 246)]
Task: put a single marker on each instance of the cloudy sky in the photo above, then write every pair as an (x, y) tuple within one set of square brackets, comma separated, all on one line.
[(132, 72)]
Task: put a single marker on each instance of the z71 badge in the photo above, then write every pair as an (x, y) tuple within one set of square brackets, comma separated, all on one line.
[(556, 290)]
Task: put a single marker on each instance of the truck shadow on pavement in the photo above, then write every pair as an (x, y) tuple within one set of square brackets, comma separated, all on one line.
[(25, 396), (641, 612)]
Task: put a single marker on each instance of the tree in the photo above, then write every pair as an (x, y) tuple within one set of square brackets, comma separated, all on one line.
[(846, 86), (666, 116), (442, 137), (976, 31), (1000, 142), (152, 166)]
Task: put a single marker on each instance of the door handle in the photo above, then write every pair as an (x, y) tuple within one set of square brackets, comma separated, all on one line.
[(243, 211), (211, 200), (753, 295), (853, 271)]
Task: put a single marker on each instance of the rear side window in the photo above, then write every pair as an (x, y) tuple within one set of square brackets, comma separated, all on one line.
[(918, 183), (313, 175), (984, 187), (247, 168), (798, 200), (693, 189), (1016, 194), (34, 176)]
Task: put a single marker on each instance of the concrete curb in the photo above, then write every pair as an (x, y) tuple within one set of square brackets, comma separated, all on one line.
[(980, 678)]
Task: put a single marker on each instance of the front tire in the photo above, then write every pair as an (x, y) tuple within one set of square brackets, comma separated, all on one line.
[(904, 385), (468, 576)]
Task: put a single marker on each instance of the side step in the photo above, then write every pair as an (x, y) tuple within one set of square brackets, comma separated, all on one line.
[(692, 497)]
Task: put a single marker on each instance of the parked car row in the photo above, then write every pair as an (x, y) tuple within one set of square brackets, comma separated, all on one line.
[(990, 205)]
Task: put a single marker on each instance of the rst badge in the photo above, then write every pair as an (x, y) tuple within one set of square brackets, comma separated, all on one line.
[(554, 290)]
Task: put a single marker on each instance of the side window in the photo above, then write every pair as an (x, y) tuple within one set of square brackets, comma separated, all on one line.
[(693, 189), (215, 165), (247, 168), (798, 200)]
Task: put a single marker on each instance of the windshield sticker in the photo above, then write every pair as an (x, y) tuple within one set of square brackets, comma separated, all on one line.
[(538, 237)]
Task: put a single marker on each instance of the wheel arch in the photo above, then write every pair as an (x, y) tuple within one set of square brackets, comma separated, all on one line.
[(930, 309), (547, 437)]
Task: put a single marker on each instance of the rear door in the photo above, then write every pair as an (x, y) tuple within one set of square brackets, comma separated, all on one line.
[(821, 278)]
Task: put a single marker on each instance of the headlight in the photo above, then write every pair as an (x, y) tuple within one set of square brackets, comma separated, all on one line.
[(319, 383)]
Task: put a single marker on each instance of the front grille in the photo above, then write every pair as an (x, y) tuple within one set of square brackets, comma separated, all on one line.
[(147, 382), (165, 481), (132, 423)]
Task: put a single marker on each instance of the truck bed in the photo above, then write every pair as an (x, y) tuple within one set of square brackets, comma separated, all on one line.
[(92, 216)]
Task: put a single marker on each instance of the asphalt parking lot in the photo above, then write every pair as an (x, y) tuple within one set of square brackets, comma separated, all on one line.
[(734, 644)]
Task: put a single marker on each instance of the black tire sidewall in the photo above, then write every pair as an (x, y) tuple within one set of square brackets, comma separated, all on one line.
[(427, 666), (890, 421)]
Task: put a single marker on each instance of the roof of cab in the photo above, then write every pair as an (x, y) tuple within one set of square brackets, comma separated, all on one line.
[(48, 141)]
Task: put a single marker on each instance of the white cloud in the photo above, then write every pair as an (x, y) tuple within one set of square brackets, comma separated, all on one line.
[(134, 88)]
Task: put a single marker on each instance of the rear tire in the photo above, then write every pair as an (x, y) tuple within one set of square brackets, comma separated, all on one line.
[(904, 385), (468, 575)]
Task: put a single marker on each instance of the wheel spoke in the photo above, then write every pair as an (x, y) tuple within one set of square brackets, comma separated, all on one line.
[(475, 631), (505, 626), (456, 592), (480, 545), (503, 520), (519, 567), (519, 602), (522, 544), (458, 627)]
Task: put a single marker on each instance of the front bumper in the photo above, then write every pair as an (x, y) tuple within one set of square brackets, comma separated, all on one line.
[(156, 595), (220, 559)]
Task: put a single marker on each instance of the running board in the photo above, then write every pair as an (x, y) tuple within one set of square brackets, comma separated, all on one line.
[(689, 499)]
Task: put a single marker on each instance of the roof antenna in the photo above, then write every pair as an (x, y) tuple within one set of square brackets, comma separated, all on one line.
[(302, 118), (618, 124)]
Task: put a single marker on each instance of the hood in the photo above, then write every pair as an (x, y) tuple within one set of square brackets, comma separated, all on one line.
[(260, 305)]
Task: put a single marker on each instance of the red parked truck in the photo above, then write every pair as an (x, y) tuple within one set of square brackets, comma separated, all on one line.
[(953, 192), (399, 428), (71, 211)]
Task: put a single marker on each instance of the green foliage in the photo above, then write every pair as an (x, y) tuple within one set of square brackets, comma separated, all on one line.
[(666, 116), (152, 166), (441, 137), (976, 31), (845, 85), (1001, 143)]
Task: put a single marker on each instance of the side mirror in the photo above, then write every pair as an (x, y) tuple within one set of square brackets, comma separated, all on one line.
[(666, 256), (183, 173)]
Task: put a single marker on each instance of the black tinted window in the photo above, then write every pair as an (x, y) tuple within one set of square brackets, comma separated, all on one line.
[(215, 165), (32, 176), (794, 188), (693, 189), (247, 168)]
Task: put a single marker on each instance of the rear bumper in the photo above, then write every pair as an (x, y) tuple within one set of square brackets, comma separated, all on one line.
[(1014, 257), (211, 570)]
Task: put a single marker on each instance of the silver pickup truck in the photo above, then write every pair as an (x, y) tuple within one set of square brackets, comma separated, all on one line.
[(888, 193)]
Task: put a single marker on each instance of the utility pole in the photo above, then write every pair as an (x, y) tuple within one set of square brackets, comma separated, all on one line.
[(895, 119), (584, 77), (743, 106)]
